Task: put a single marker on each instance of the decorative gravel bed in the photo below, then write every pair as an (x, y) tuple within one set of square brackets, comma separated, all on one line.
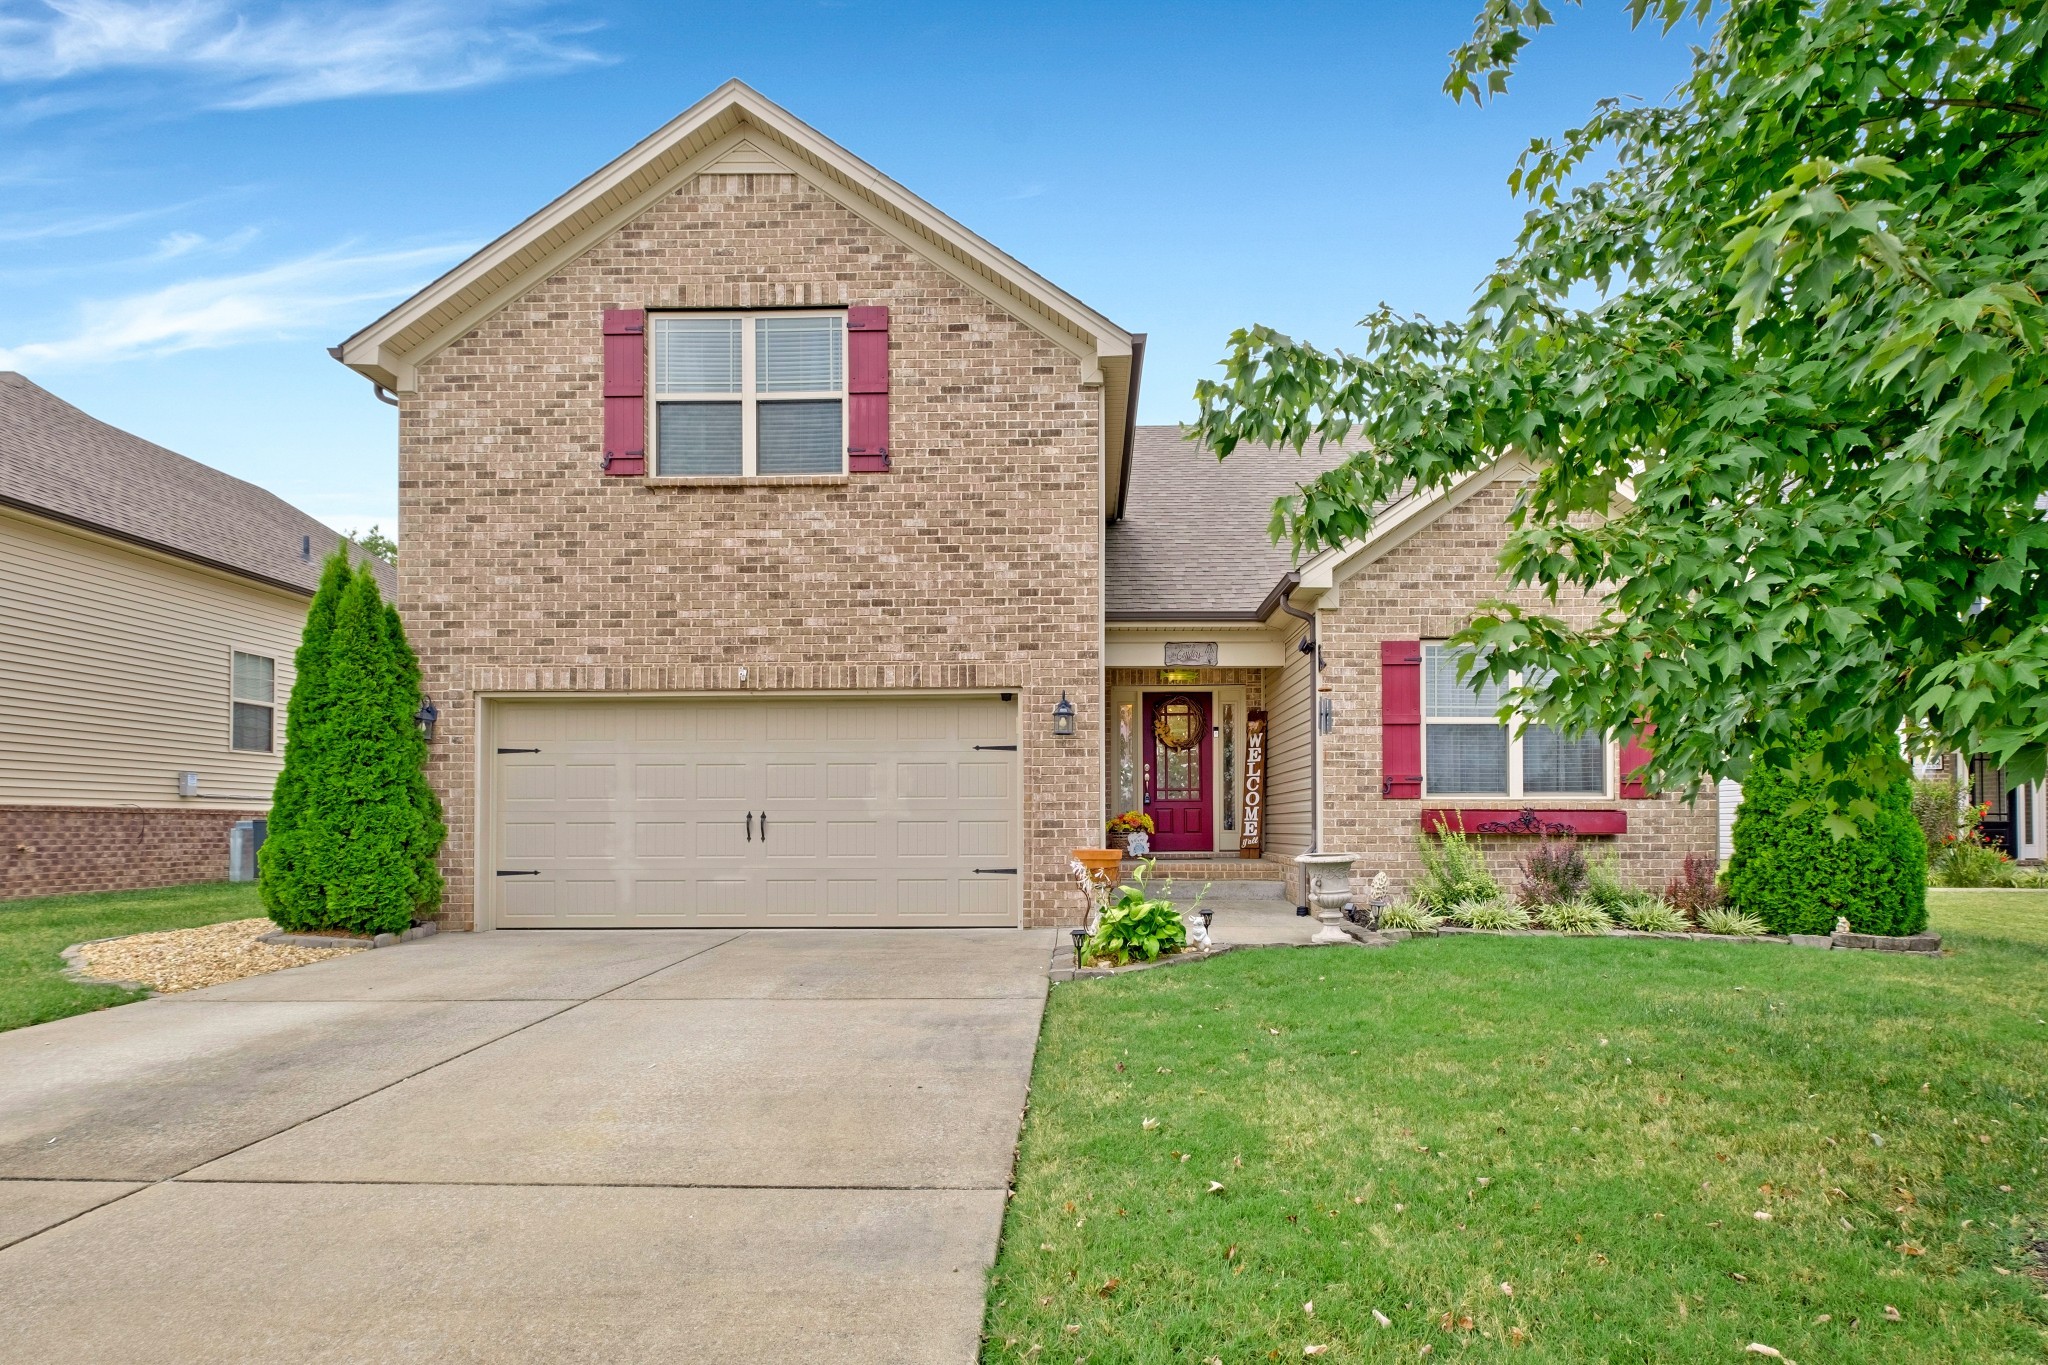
[(187, 959)]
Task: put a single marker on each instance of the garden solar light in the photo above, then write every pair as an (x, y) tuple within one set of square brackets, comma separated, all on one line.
[(1080, 936)]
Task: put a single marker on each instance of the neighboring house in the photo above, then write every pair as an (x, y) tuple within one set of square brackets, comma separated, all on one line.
[(780, 552), (149, 609)]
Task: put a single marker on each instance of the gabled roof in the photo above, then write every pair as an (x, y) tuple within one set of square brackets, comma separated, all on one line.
[(736, 129), (1193, 543), (60, 463)]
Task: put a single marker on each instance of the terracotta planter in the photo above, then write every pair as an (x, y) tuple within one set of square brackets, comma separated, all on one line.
[(1101, 864)]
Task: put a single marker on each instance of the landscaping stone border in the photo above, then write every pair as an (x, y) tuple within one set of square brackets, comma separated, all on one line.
[(1916, 945), (418, 931)]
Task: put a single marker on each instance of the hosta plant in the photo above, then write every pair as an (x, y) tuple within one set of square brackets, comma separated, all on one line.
[(1493, 914), (1649, 915), (1575, 917), (1135, 925), (1734, 923)]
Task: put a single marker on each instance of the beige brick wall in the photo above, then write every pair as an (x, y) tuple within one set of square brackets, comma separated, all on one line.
[(1426, 589), (974, 564)]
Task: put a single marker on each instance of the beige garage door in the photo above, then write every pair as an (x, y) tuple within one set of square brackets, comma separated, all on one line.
[(883, 811)]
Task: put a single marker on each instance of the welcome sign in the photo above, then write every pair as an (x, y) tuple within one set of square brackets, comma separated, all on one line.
[(1251, 844)]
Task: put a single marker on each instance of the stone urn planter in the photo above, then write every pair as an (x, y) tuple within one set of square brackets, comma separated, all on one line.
[(1326, 890)]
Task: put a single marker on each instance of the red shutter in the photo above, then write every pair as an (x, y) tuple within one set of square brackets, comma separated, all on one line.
[(1634, 756), (867, 390), (1401, 720), (625, 391)]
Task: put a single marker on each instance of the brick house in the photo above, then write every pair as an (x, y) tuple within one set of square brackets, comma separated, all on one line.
[(780, 552), (149, 610)]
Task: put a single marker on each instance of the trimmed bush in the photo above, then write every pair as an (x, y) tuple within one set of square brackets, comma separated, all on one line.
[(1792, 873), (362, 827)]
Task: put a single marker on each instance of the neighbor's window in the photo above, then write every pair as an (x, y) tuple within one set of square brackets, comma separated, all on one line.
[(1468, 752), (255, 702), (750, 394)]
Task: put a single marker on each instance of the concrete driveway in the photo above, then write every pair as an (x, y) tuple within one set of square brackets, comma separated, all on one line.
[(607, 1146)]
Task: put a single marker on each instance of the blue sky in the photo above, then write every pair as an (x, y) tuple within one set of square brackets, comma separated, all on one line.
[(197, 197)]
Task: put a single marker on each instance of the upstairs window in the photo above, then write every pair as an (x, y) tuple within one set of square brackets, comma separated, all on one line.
[(254, 702), (1468, 752), (749, 394)]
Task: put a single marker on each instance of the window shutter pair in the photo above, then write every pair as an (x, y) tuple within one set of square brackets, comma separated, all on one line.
[(625, 391), (1401, 728)]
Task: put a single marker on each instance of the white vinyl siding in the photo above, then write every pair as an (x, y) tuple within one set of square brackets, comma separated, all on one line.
[(1288, 793), (738, 396), (116, 671), (1466, 751)]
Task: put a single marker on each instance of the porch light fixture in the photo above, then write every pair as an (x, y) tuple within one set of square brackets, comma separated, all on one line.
[(425, 718), (1063, 716)]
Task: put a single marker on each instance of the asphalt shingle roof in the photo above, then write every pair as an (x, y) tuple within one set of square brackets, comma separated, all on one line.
[(1193, 536), (66, 464)]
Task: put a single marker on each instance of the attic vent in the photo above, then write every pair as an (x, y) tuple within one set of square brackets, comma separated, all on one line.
[(306, 548)]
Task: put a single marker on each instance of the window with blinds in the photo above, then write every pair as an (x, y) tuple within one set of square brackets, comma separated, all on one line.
[(253, 703), (744, 395), (1467, 751)]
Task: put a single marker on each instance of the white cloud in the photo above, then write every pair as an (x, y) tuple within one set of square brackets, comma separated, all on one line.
[(289, 54), (321, 292)]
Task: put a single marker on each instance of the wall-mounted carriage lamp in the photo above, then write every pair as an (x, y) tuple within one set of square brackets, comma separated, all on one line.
[(425, 718), (1063, 716)]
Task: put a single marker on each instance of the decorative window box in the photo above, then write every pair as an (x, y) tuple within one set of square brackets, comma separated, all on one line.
[(1528, 820)]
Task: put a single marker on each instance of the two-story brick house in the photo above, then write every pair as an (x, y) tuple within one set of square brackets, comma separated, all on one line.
[(780, 552)]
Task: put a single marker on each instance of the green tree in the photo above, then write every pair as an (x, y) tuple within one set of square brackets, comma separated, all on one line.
[(376, 544), (1780, 367), (364, 841), (289, 891), (1793, 873)]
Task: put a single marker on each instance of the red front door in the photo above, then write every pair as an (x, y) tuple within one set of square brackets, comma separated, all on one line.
[(1177, 794)]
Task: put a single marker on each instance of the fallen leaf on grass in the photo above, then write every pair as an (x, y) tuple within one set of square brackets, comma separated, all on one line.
[(1108, 1287), (1911, 1249), (1381, 1318), (1516, 1336), (1891, 1314), (1215, 1187), (1313, 1350), (1507, 1289), (1149, 1124), (1309, 1308), (1762, 1215), (1757, 1348)]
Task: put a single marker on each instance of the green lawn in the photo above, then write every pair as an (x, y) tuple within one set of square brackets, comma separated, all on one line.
[(34, 932), (1595, 1124)]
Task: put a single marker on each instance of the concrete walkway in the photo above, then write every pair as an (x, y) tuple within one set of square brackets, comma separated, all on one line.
[(569, 1146)]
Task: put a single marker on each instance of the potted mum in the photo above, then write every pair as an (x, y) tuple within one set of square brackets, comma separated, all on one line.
[(1131, 822)]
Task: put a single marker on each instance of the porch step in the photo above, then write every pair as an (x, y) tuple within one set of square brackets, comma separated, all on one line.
[(1186, 867)]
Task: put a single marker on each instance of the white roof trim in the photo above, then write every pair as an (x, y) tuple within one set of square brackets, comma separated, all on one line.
[(731, 118)]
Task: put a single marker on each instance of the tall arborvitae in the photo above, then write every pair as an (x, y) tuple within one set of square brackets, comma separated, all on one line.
[(291, 894), (429, 830), (363, 827)]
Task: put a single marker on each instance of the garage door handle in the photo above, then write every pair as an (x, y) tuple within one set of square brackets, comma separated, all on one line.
[(1006, 748), (995, 871), (764, 826), (533, 873), (518, 751), (750, 827)]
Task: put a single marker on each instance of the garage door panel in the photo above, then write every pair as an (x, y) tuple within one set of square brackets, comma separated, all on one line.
[(649, 812)]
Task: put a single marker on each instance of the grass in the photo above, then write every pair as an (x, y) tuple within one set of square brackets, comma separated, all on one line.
[(1542, 1150), (33, 933)]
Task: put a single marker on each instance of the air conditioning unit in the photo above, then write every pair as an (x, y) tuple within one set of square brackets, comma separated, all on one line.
[(244, 838)]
